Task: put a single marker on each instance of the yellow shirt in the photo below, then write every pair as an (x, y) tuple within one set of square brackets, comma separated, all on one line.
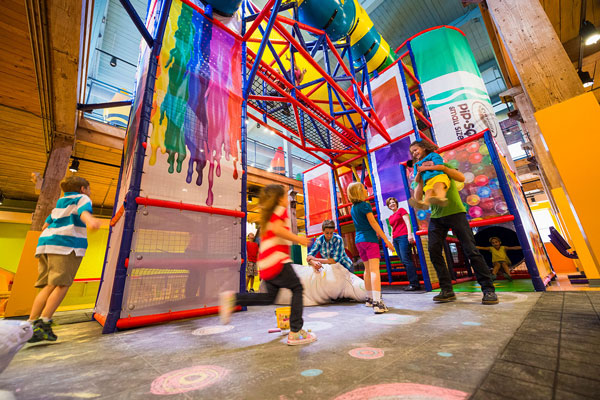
[(499, 254)]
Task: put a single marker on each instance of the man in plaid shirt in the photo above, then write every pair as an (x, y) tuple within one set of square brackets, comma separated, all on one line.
[(331, 248)]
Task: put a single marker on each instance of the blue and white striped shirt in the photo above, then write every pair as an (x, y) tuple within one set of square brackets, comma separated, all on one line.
[(66, 232), (334, 248)]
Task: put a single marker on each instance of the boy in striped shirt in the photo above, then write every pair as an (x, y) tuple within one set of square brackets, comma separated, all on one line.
[(60, 249)]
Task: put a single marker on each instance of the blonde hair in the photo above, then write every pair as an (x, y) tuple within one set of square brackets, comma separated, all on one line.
[(355, 192), (269, 199)]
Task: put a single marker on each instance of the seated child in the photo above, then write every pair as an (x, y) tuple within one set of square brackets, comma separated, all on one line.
[(499, 257), (428, 164)]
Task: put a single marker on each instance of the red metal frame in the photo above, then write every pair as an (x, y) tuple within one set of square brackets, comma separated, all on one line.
[(133, 322), (482, 222), (145, 201)]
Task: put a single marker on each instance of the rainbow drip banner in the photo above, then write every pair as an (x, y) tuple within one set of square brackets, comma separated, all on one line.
[(195, 133)]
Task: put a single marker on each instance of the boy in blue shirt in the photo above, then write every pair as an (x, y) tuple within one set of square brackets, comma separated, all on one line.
[(60, 250)]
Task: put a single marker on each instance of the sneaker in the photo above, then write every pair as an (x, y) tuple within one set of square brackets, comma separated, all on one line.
[(38, 332), (412, 288), (379, 307), (490, 298), (445, 296), (300, 337), (226, 304), (251, 291), (369, 302), (493, 277), (42, 331)]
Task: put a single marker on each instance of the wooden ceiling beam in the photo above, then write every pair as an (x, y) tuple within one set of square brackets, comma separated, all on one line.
[(96, 133)]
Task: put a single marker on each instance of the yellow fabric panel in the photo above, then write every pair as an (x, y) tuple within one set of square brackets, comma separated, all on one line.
[(23, 292), (364, 25), (567, 127), (579, 244)]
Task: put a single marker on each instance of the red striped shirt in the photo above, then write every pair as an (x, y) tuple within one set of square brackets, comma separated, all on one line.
[(274, 251)]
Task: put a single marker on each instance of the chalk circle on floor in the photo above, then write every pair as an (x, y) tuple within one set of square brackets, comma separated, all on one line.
[(212, 330), (187, 379), (403, 391)]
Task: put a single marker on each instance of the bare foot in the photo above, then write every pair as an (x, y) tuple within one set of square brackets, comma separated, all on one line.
[(439, 201), (419, 205)]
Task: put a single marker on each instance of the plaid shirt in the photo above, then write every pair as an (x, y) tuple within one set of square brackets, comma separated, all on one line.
[(333, 249)]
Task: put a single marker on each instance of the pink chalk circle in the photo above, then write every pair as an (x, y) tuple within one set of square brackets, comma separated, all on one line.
[(403, 391), (501, 207), (487, 204), (473, 200), (187, 379), (366, 353), (473, 147), (323, 314), (481, 180), (475, 212), (460, 185), (475, 158), (483, 150), (469, 177), (462, 156)]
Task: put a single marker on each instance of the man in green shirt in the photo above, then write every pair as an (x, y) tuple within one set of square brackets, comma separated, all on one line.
[(453, 216)]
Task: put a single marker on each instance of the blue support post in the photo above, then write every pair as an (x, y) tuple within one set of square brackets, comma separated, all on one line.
[(244, 162), (137, 21), (538, 284), (413, 222), (425, 109), (261, 49), (335, 202), (116, 300)]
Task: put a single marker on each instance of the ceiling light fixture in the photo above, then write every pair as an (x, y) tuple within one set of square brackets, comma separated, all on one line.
[(113, 61), (74, 165), (586, 79), (589, 33)]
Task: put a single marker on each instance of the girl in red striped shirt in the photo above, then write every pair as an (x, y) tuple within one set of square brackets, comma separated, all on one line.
[(274, 264)]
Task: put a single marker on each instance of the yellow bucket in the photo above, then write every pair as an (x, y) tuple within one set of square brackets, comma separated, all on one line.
[(283, 317)]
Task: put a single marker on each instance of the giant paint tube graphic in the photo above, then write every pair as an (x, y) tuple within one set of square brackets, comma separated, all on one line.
[(455, 94)]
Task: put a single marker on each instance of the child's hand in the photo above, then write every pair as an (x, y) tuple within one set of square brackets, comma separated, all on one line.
[(303, 241), (389, 245), (94, 224)]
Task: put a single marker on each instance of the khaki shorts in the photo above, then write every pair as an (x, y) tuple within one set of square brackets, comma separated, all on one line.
[(251, 269), (57, 269)]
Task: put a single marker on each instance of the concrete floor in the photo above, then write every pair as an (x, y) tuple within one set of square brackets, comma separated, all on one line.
[(419, 350)]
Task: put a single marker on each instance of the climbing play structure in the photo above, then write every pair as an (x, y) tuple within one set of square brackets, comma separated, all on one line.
[(207, 69)]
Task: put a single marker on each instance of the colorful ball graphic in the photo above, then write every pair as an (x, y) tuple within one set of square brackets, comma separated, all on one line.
[(494, 184), (475, 212), (462, 156), (421, 214), (478, 169), (473, 147), (465, 166), (460, 185), (413, 185), (486, 160), (501, 207), (481, 180), (469, 177), (484, 191), (475, 158), (487, 204), (473, 200), (450, 155), (454, 164), (483, 150)]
